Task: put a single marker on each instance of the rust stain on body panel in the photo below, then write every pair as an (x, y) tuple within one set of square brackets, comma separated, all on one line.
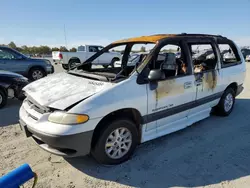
[(168, 88), (210, 80)]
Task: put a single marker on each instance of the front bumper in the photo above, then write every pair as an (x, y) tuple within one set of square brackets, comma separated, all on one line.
[(240, 88), (66, 145)]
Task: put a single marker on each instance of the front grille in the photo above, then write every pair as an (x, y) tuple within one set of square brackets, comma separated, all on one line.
[(33, 109), (37, 108)]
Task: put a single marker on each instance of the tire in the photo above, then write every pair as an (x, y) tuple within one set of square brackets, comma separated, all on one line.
[(36, 73), (105, 66), (112, 64), (226, 103), (3, 98), (65, 66), (73, 63), (99, 150)]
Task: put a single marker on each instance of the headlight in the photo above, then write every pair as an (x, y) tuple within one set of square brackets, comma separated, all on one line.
[(68, 119)]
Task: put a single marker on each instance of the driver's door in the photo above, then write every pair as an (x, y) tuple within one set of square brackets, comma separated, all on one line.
[(170, 99)]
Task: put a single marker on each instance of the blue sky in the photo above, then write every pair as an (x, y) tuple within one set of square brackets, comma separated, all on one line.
[(35, 22)]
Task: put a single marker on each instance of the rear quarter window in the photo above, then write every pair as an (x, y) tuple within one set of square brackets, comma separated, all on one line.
[(229, 55)]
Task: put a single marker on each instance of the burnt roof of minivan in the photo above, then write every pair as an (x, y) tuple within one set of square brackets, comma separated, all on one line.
[(155, 38)]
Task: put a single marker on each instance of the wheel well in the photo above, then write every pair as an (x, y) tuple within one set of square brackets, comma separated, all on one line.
[(74, 58), (39, 67), (4, 90), (129, 113), (116, 58), (234, 86)]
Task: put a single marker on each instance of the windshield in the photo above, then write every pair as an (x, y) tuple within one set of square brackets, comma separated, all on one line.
[(102, 65)]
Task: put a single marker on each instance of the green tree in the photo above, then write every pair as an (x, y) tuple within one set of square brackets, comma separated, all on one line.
[(63, 49), (143, 49), (25, 49), (55, 49), (44, 50), (12, 45), (72, 49)]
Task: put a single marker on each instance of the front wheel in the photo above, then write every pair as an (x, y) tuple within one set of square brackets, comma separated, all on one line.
[(36, 73), (226, 104), (65, 67), (116, 142)]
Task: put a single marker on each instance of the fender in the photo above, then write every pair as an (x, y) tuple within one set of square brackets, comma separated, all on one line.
[(4, 85)]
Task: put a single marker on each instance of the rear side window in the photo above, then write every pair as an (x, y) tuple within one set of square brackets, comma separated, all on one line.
[(229, 55), (81, 49), (204, 57)]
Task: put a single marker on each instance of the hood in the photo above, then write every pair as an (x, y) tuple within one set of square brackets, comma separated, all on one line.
[(62, 90), (9, 74)]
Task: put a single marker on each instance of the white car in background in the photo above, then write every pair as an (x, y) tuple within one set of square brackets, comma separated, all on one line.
[(72, 59)]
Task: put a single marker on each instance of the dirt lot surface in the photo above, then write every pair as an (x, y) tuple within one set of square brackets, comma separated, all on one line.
[(212, 153)]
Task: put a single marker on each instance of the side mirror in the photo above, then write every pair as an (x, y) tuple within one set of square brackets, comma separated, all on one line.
[(155, 75)]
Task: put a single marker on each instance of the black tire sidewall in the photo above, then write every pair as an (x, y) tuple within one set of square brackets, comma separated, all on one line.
[(221, 108), (98, 150), (65, 67), (4, 98)]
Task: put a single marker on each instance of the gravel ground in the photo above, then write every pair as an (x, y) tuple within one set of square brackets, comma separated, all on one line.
[(212, 153)]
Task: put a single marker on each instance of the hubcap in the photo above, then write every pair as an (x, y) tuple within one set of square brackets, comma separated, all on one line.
[(118, 143), (228, 103), (37, 74), (73, 64), (1, 99)]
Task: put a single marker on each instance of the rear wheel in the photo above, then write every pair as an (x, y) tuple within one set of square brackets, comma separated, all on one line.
[(112, 64), (3, 98), (116, 142), (65, 66), (73, 63), (226, 104), (105, 66), (36, 73)]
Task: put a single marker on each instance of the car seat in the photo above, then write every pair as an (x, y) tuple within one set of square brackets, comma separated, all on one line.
[(169, 65)]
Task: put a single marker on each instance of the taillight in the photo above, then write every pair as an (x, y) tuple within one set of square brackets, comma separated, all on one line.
[(60, 56)]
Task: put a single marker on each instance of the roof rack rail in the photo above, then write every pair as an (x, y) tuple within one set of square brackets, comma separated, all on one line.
[(195, 34)]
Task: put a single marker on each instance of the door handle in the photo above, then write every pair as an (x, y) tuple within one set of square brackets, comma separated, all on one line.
[(187, 85), (198, 82)]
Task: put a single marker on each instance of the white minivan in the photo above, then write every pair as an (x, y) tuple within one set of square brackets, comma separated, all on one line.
[(107, 112)]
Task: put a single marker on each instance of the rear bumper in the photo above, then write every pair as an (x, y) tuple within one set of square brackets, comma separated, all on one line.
[(50, 70), (66, 146), (240, 88)]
